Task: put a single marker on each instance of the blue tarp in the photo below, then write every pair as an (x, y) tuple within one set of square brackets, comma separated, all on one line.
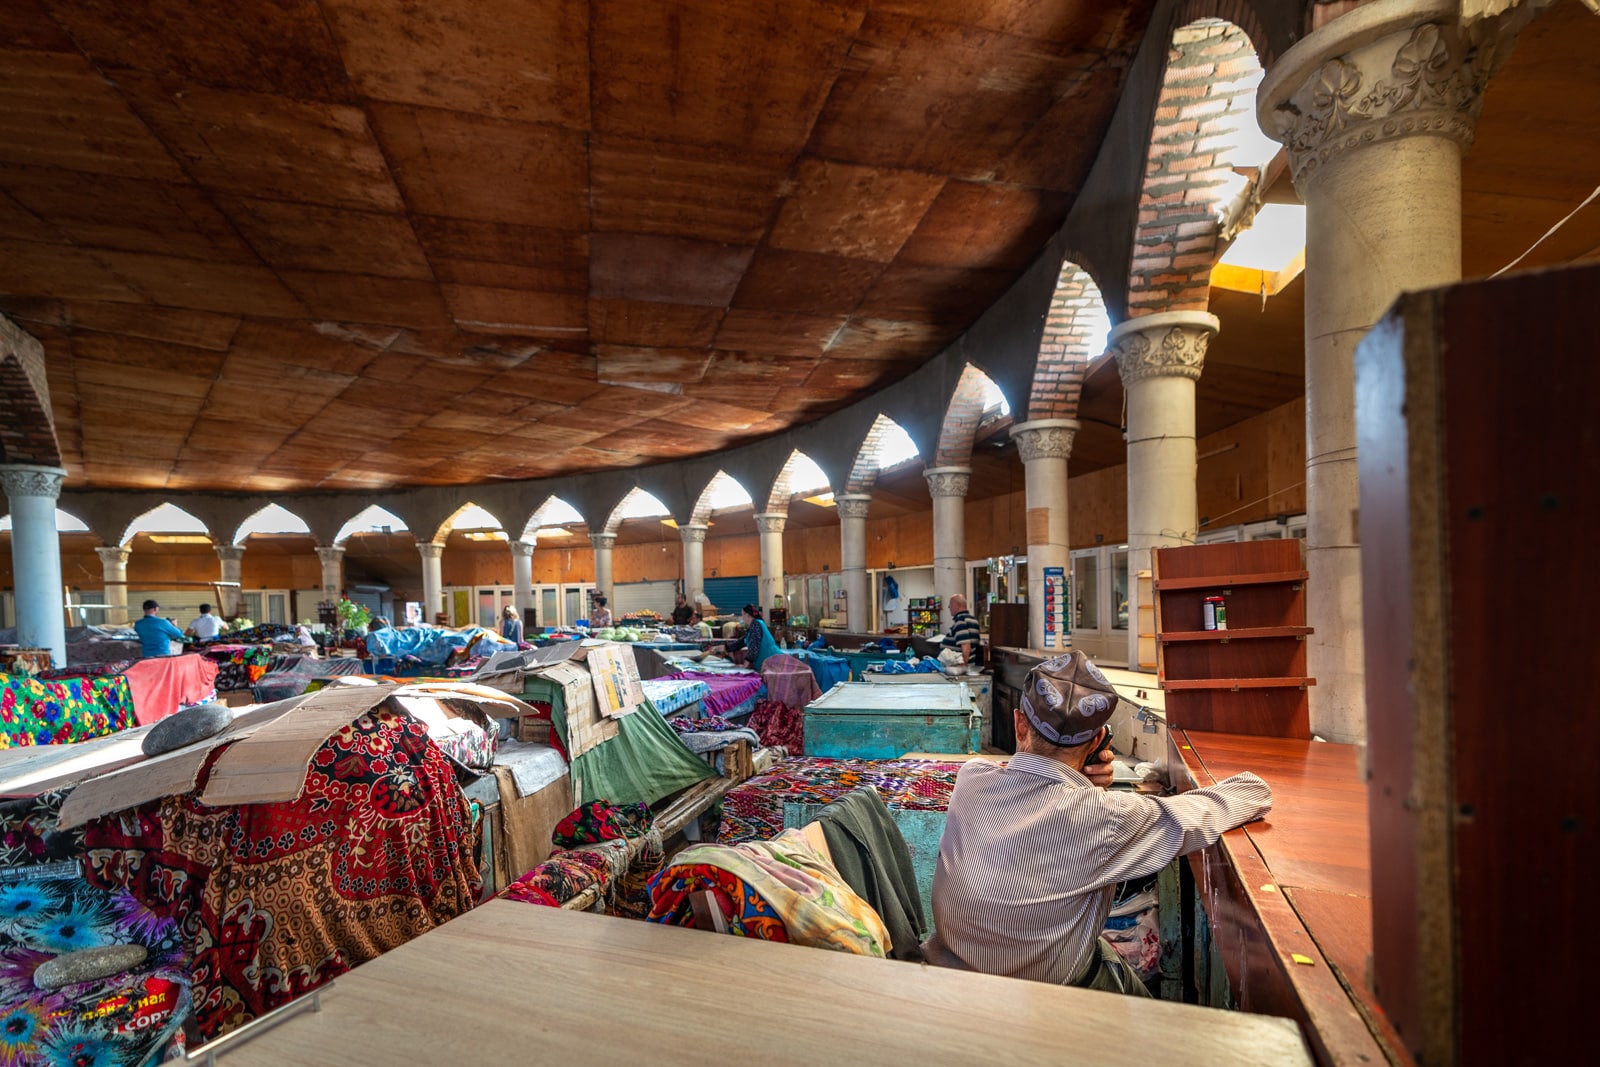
[(830, 670), (430, 644)]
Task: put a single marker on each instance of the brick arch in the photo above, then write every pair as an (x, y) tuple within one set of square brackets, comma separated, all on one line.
[(702, 504), (864, 471), (443, 531), (1072, 337), (962, 416), (1211, 63), (614, 520), (1241, 14), (778, 499), (27, 427)]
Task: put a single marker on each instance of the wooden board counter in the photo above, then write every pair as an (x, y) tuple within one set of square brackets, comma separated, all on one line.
[(1289, 897), (514, 983)]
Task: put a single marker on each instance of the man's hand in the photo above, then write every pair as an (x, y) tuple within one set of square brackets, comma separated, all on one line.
[(1099, 771)]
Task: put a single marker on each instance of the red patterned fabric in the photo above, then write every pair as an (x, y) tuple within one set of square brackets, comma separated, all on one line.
[(273, 900), (780, 724), (747, 911)]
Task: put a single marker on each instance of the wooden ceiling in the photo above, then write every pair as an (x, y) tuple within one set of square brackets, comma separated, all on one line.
[(355, 244)]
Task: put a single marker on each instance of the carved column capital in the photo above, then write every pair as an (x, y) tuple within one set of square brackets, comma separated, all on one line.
[(692, 533), (771, 522), (1168, 343), (330, 554), (853, 505), (429, 550), (26, 479), (113, 556), (229, 553), (522, 548), (1386, 70), (948, 481), (603, 542), (1044, 438)]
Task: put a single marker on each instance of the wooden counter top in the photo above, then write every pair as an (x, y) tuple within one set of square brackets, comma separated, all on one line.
[(1295, 884), (514, 983)]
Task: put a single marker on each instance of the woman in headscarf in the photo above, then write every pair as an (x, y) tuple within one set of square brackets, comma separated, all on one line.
[(758, 640)]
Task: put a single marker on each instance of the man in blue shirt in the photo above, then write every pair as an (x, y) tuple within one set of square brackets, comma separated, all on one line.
[(155, 633)]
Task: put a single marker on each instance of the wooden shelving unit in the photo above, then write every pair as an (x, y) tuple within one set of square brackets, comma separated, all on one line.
[(1250, 678)]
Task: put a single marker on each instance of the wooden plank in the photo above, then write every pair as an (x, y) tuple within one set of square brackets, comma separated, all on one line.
[(1220, 581), (405, 1006)]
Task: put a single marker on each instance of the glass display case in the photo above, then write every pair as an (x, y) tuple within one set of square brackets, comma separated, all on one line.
[(1086, 592), (1119, 588)]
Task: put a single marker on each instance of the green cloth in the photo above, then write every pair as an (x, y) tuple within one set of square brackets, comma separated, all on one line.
[(1111, 973), (873, 859), (643, 763)]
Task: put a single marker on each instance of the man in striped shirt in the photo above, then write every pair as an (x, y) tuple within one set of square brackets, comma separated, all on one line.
[(964, 634), (1032, 851)]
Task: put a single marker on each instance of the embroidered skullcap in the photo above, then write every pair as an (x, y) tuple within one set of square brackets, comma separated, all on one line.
[(1067, 699)]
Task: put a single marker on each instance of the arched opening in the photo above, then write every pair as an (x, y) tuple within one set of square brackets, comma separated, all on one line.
[(562, 567), (976, 405), (887, 445), (722, 493), (167, 524), (472, 521), (371, 520), (1074, 336), (272, 520), (800, 477), (80, 570)]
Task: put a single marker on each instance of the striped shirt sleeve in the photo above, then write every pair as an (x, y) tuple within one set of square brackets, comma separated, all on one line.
[(1147, 833)]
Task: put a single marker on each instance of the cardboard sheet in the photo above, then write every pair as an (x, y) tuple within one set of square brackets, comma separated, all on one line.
[(615, 674), (586, 727), (42, 768)]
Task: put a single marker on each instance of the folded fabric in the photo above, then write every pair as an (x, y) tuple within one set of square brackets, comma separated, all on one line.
[(560, 878), (34, 712), (600, 820), (871, 855), (925, 665), (783, 881), (780, 724), (712, 733), (622, 869), (727, 690), (754, 809)]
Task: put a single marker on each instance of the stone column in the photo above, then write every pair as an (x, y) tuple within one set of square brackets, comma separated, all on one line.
[(853, 559), (770, 586), (522, 576), (432, 579), (1045, 445), (1159, 357), (36, 556), (948, 485), (1376, 108), (114, 570), (603, 544), (229, 598), (332, 558), (694, 560)]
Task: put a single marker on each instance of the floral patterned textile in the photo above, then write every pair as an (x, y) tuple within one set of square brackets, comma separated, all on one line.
[(622, 867), (780, 724), (238, 666), (34, 712), (125, 1020), (728, 691), (275, 899), (600, 820), (753, 810), (784, 880), (28, 834), (264, 634)]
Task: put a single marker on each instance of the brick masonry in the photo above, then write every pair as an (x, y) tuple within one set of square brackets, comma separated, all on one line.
[(1068, 343), (1207, 93), (864, 473), (27, 427), (962, 419)]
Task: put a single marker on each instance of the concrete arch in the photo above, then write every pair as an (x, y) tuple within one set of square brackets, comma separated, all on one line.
[(778, 498), (638, 495), (963, 415), (705, 502), (870, 455), (166, 513), (1074, 333)]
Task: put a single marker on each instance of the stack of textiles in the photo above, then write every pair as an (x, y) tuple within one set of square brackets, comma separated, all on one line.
[(238, 666), (132, 1017), (275, 899), (925, 665), (713, 734), (731, 693), (613, 847), (780, 719), (753, 810), (777, 890), (675, 694), (264, 634), (34, 712)]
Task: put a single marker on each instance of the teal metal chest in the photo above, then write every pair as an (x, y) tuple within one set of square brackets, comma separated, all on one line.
[(858, 720)]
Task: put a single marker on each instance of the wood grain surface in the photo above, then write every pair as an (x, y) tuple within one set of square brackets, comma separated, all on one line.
[(481, 990)]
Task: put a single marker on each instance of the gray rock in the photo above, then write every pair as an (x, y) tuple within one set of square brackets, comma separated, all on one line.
[(186, 727), (88, 964)]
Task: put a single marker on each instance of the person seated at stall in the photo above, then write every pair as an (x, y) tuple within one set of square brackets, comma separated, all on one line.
[(681, 611), (155, 633), (700, 624), (511, 625), (206, 625), (758, 641), (599, 615), (1032, 852), (964, 634)]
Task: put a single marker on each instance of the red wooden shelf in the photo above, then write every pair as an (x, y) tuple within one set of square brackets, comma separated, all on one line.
[(1223, 581), (1173, 685), (1228, 635)]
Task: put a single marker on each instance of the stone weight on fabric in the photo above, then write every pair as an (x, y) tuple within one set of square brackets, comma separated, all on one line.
[(186, 727), (89, 965)]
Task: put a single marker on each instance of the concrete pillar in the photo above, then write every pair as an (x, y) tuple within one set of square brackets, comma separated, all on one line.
[(522, 576), (114, 570), (603, 544), (948, 486), (332, 558), (230, 597), (36, 556), (694, 560), (1376, 108), (1159, 357), (853, 558), (1045, 445), (432, 579), (770, 587)]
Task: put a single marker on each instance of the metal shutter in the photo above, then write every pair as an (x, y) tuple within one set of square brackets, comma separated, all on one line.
[(629, 597), (732, 594)]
